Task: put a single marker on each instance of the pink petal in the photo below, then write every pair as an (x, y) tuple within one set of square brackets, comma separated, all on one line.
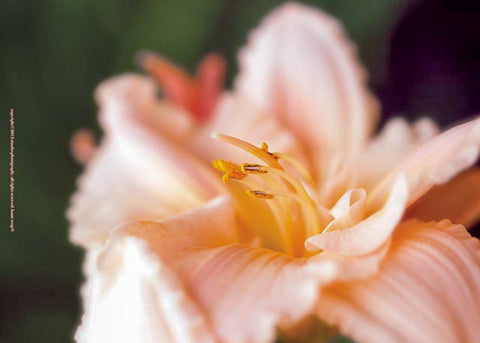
[(236, 116), (367, 235), (348, 211), (133, 297), (355, 267), (300, 66), (436, 161), (136, 173), (386, 150), (246, 292), (425, 291), (457, 200)]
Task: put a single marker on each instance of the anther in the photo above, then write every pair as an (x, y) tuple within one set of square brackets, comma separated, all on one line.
[(250, 168), (264, 148), (230, 170), (259, 194)]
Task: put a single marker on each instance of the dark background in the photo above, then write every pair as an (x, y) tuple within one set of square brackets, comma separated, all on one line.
[(423, 56)]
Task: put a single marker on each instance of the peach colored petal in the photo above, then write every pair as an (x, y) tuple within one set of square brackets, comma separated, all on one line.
[(349, 210), (396, 140), (130, 103), (246, 292), (369, 234), (435, 162), (133, 297), (425, 291), (300, 66), (136, 173), (339, 179), (457, 200), (355, 267), (236, 116)]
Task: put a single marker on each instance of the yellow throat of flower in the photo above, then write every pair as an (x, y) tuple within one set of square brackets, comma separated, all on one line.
[(296, 213)]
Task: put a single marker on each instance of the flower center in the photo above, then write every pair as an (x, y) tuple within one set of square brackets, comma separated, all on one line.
[(290, 198)]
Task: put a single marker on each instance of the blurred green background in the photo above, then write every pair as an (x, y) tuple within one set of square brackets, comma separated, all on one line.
[(54, 53)]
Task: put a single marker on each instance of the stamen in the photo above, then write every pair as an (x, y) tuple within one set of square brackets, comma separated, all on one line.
[(297, 185), (262, 154), (309, 211), (264, 148), (250, 168), (306, 209), (259, 194), (280, 214), (298, 166), (230, 170)]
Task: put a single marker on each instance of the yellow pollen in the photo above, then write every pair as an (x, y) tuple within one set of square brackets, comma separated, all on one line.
[(259, 194), (230, 170)]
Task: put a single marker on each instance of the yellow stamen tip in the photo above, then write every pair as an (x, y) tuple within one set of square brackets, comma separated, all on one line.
[(250, 168), (230, 170), (259, 194)]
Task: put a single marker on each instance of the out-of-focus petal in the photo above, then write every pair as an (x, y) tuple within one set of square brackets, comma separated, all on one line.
[(177, 86), (133, 297), (369, 234), (83, 146), (435, 162), (198, 95), (136, 173), (236, 116), (246, 292), (457, 200), (300, 66), (210, 80), (396, 140), (426, 290), (130, 103)]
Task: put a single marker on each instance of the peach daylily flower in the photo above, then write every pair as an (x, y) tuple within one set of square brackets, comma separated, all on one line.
[(337, 227)]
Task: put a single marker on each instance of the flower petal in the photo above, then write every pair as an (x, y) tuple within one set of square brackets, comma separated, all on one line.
[(349, 210), (457, 200), (198, 94), (436, 161), (246, 292), (425, 291), (133, 297), (252, 125), (300, 66), (135, 173), (386, 150), (369, 234)]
